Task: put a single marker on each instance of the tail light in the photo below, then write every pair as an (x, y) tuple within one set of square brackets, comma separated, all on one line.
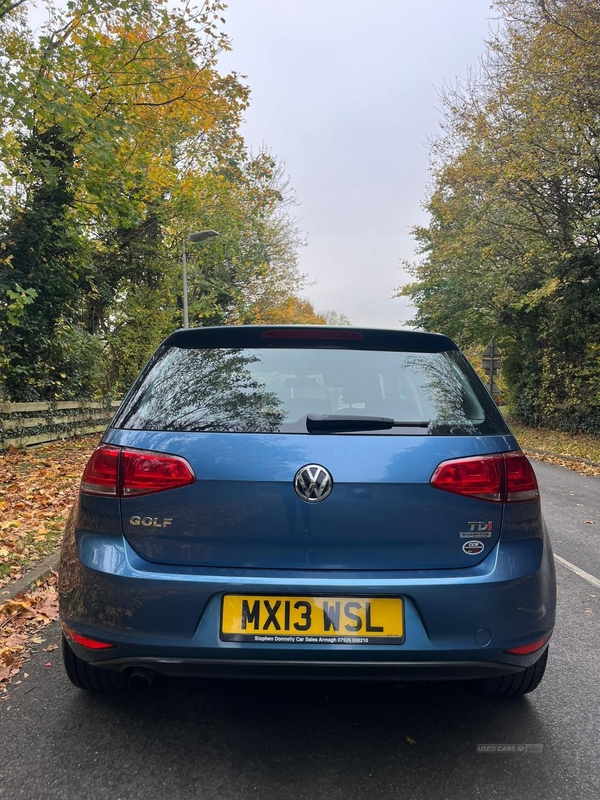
[(121, 472), (521, 483), (500, 478), (101, 473), (144, 473), (476, 477)]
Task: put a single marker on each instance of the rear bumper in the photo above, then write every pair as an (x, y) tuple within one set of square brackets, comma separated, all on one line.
[(289, 669), (167, 618)]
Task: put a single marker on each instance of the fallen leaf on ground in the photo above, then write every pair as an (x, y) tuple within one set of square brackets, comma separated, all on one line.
[(557, 443), (38, 487), (575, 466), (20, 622)]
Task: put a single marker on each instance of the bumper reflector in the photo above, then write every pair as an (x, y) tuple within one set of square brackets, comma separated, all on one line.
[(84, 641), (525, 649)]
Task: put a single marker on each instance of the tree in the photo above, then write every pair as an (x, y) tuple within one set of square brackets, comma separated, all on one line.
[(39, 251), (6, 6), (335, 318), (292, 311), (101, 116), (119, 138), (512, 247)]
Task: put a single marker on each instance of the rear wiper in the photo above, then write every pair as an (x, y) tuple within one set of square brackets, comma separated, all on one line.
[(347, 422)]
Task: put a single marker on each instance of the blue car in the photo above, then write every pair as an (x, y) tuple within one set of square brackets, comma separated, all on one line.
[(321, 502)]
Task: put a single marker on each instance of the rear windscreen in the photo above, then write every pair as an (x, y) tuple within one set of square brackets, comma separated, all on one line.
[(271, 390)]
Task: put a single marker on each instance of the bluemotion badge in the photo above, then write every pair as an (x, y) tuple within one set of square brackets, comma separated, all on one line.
[(478, 530)]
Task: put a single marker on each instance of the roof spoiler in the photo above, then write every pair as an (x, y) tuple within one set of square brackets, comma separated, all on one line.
[(317, 336)]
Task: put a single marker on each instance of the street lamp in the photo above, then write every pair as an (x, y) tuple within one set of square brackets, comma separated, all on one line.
[(194, 237)]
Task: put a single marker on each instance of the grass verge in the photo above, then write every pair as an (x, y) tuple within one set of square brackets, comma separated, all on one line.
[(558, 443)]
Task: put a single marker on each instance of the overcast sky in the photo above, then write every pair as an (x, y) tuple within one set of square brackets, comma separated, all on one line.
[(345, 93)]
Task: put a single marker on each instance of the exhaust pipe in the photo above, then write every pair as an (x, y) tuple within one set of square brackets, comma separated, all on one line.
[(141, 679)]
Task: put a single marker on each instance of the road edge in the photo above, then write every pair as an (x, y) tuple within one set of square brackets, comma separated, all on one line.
[(575, 459), (38, 573)]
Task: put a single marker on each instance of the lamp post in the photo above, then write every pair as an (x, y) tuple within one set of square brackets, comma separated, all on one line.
[(194, 237)]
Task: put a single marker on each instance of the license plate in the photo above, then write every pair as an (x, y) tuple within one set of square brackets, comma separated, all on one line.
[(312, 620)]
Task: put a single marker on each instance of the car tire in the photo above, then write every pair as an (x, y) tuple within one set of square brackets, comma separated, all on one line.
[(90, 678), (515, 685)]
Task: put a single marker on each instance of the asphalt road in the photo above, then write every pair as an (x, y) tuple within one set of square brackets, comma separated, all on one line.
[(300, 741)]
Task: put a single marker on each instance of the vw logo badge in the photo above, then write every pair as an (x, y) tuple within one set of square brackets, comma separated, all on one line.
[(313, 483)]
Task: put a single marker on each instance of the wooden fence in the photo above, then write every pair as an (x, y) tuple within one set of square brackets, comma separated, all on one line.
[(23, 424)]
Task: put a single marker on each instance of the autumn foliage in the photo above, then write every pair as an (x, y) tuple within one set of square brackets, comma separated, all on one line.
[(119, 137), (22, 623), (512, 249), (37, 489)]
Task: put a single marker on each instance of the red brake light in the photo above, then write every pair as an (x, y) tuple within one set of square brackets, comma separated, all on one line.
[(144, 473), (309, 333), (526, 649), (480, 477), (521, 483), (101, 473), (122, 473), (500, 478)]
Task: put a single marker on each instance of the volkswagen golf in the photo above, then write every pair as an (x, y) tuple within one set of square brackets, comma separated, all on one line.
[(285, 501)]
